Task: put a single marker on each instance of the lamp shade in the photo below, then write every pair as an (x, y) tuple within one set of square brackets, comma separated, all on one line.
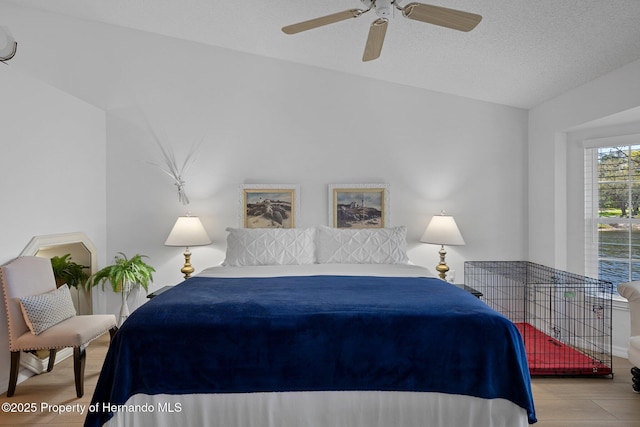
[(188, 231), (442, 230)]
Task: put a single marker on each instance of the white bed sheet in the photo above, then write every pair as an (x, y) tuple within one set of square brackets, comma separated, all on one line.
[(383, 270), (319, 409)]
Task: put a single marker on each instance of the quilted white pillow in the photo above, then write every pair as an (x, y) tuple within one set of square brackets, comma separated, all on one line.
[(43, 311), (270, 246), (361, 246)]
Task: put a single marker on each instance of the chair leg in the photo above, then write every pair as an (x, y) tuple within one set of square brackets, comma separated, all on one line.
[(52, 359), (13, 375), (79, 358)]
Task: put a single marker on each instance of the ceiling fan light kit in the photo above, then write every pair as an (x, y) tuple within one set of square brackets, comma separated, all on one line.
[(430, 14)]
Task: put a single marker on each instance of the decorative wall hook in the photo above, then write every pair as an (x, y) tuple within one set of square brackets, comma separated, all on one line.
[(8, 50), (174, 170)]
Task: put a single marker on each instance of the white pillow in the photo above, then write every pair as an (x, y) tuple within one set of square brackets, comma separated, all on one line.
[(270, 246), (361, 246), (43, 311)]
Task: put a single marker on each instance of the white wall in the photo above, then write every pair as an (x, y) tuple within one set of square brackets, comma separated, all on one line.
[(548, 126), (556, 180), (260, 121), (52, 171), (268, 121)]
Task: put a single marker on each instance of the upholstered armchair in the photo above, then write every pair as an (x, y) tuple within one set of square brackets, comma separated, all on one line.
[(42, 317), (631, 291)]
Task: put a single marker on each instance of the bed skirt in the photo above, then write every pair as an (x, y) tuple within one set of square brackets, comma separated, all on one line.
[(318, 409)]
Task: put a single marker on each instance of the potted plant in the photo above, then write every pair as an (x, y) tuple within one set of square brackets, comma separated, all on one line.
[(68, 271), (124, 275)]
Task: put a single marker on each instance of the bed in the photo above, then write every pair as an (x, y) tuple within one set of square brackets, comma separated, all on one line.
[(261, 342)]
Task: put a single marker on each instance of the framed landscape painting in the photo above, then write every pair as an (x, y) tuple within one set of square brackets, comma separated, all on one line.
[(268, 205), (359, 205)]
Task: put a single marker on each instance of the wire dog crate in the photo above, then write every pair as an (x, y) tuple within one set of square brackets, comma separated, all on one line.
[(564, 318)]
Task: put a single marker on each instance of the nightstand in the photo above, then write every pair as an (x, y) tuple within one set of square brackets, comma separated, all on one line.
[(159, 291), (469, 289)]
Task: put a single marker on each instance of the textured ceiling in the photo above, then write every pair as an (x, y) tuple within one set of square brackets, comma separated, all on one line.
[(521, 54)]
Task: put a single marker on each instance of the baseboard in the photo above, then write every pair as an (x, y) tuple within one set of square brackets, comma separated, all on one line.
[(619, 351), (23, 374), (31, 365), (37, 365)]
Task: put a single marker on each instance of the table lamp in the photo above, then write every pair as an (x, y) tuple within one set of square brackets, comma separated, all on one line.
[(442, 230), (188, 231)]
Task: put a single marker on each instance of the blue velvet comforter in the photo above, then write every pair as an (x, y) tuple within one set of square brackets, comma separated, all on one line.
[(316, 333)]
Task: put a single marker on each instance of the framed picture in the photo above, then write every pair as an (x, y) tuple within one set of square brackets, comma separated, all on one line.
[(269, 205), (359, 205)]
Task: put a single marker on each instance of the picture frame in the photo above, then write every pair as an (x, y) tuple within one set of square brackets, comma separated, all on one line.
[(269, 205), (359, 205)]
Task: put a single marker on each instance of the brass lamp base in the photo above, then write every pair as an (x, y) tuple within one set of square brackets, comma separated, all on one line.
[(442, 267), (187, 269)]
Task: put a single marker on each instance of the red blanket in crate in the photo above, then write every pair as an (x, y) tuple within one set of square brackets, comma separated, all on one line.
[(548, 356)]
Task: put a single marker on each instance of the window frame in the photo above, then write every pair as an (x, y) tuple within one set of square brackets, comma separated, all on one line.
[(591, 202)]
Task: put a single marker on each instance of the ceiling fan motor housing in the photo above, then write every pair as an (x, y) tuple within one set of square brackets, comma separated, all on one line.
[(383, 8)]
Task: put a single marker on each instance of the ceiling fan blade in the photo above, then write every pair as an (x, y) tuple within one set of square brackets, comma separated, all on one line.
[(442, 16), (377, 31), (321, 21)]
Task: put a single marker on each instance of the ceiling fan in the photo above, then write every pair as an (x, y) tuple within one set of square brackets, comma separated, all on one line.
[(436, 15)]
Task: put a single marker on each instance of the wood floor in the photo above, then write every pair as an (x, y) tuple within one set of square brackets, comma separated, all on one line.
[(560, 402)]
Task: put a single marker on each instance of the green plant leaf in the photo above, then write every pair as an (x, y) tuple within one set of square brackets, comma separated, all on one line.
[(124, 270), (65, 270)]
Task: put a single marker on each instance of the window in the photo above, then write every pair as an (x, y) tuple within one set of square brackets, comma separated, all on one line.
[(612, 203)]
